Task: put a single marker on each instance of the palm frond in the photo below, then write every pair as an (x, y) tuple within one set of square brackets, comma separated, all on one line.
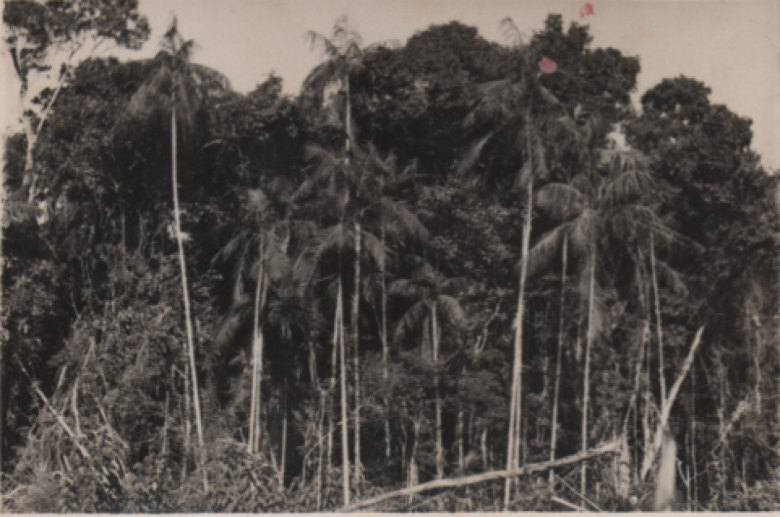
[(228, 326), (405, 288), (318, 42), (547, 249), (472, 155), (410, 321), (584, 231), (626, 186), (511, 33), (560, 201), (550, 98), (674, 280), (401, 223), (373, 248), (452, 312)]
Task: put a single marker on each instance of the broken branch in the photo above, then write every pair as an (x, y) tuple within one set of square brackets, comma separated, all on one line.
[(610, 448)]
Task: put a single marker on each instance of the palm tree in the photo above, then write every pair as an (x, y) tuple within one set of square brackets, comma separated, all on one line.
[(434, 299), (258, 250), (180, 89), (344, 57), (599, 211), (508, 107), (345, 199), (395, 223)]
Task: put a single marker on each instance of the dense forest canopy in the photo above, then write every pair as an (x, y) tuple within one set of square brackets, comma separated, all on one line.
[(443, 260)]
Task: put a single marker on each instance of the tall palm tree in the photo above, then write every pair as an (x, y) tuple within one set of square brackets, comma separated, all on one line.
[(344, 57), (435, 299), (258, 251), (599, 211), (340, 207), (518, 113), (578, 137), (179, 89), (394, 223)]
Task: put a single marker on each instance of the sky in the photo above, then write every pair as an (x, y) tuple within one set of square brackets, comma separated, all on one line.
[(732, 46)]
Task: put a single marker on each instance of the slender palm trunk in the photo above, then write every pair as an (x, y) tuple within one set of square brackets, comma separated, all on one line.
[(283, 459), (257, 357), (333, 369), (356, 357), (439, 447), (187, 419), (659, 330), (166, 423), (588, 344), (515, 406), (343, 361), (385, 373), (183, 264), (693, 432), (484, 449), (413, 474), (256, 337), (459, 438), (556, 390), (321, 450), (348, 115)]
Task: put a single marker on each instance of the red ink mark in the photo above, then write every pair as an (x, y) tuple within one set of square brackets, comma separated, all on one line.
[(587, 10), (548, 66)]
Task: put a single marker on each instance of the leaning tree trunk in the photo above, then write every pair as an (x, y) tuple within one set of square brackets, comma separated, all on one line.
[(183, 265), (659, 329), (439, 447), (515, 406), (356, 358), (556, 390), (588, 344)]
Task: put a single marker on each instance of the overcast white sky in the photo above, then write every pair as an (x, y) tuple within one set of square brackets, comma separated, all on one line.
[(732, 46)]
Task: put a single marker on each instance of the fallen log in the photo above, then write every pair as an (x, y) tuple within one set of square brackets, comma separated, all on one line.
[(610, 448)]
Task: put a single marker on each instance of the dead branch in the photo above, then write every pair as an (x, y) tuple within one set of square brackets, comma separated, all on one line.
[(610, 448), (580, 495), (650, 455), (567, 504), (61, 421)]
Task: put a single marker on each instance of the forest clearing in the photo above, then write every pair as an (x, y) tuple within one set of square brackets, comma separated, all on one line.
[(449, 275)]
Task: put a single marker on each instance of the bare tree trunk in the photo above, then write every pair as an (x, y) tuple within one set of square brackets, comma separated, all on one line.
[(187, 425), (459, 438), (483, 449), (385, 375), (334, 367), (253, 403), (515, 406), (258, 345), (439, 446), (283, 459), (413, 474), (321, 451), (693, 432), (343, 361), (186, 295), (356, 358), (588, 345), (165, 424), (556, 390)]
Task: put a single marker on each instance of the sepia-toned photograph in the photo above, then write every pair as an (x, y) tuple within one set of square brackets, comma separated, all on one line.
[(298, 256)]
